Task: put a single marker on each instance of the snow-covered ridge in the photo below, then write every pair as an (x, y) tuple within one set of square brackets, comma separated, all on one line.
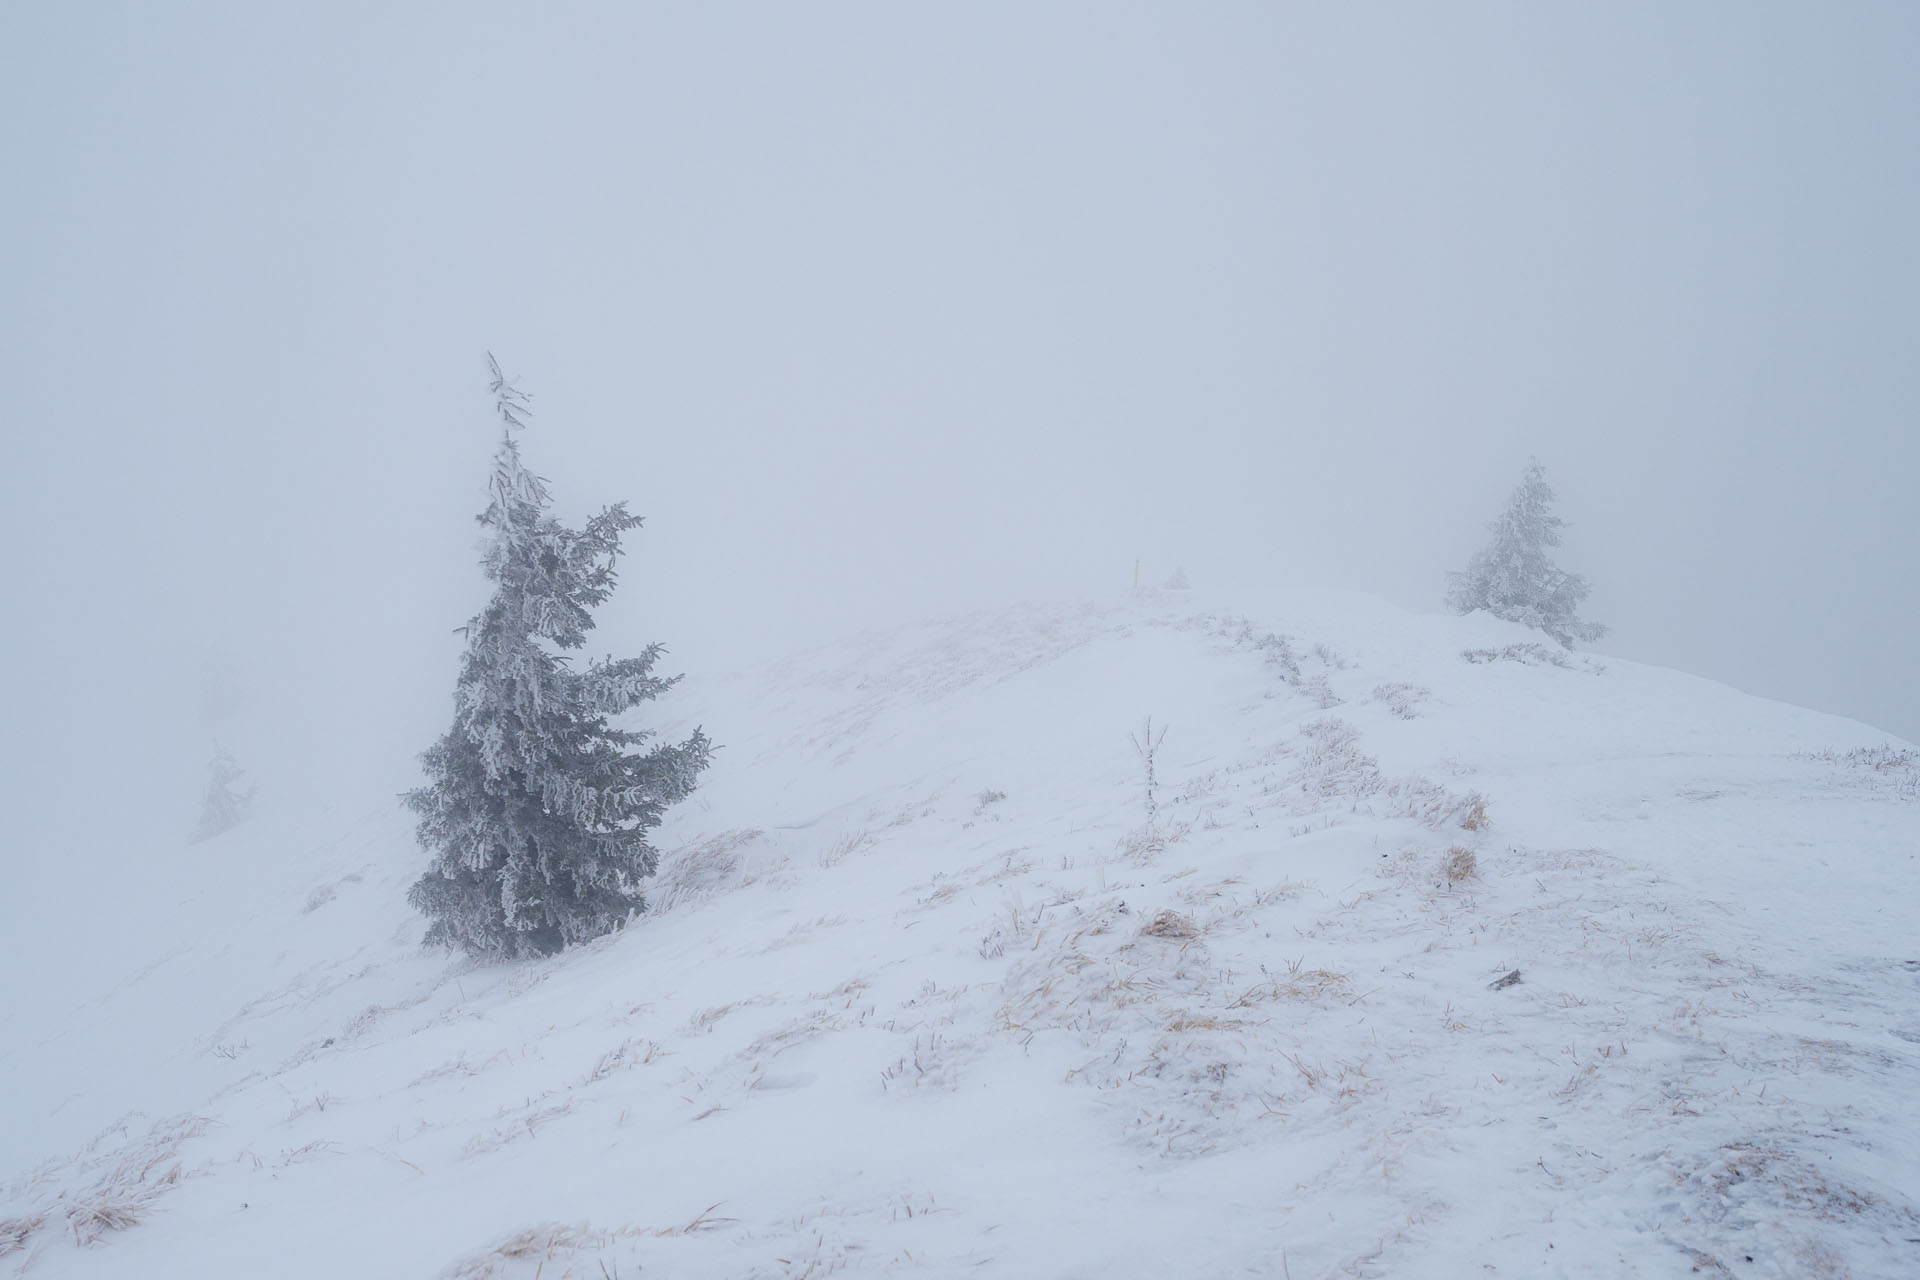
[(926, 990)]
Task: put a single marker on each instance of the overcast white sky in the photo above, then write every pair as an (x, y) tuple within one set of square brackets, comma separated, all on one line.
[(879, 310)]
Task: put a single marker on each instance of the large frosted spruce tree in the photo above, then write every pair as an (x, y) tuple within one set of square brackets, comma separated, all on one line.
[(537, 809), (1512, 577)]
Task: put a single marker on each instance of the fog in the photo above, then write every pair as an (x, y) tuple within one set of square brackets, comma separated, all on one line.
[(881, 311)]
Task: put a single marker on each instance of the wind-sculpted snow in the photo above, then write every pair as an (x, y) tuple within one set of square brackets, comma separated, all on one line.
[(1420, 967)]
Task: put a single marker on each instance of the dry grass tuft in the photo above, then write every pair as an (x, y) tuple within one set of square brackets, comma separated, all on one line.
[(1170, 924), (626, 1054), (144, 1172), (1201, 1022), (14, 1232), (849, 843), (311, 1151), (1331, 765), (702, 871), (1142, 845), (800, 932), (1473, 812), (941, 894), (1461, 864), (1433, 806), (702, 1221), (844, 993), (1299, 984), (98, 1215), (704, 1020), (543, 1242)]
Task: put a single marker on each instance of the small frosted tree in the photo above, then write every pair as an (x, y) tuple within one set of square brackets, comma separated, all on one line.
[(1512, 577), (225, 804), (537, 808)]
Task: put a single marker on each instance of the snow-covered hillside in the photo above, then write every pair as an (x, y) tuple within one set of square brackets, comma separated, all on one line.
[(1444, 953)]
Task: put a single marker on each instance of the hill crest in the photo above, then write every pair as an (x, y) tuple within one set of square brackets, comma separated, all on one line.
[(927, 988)]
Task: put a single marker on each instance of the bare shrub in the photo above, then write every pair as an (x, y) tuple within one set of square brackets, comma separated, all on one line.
[(1279, 654), (1199, 787), (1892, 769), (318, 1102), (1147, 747), (929, 1064), (1401, 698), (1528, 655), (1322, 693)]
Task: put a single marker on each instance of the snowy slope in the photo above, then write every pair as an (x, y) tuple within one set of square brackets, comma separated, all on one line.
[(926, 993)]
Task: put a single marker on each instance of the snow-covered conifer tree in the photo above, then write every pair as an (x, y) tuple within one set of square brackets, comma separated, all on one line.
[(1512, 578), (537, 809), (225, 804)]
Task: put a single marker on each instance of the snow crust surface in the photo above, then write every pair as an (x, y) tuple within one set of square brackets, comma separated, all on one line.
[(1443, 952)]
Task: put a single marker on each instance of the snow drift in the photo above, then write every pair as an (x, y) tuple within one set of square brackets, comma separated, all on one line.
[(1437, 950)]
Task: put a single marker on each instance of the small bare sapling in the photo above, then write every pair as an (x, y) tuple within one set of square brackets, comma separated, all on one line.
[(1148, 746)]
